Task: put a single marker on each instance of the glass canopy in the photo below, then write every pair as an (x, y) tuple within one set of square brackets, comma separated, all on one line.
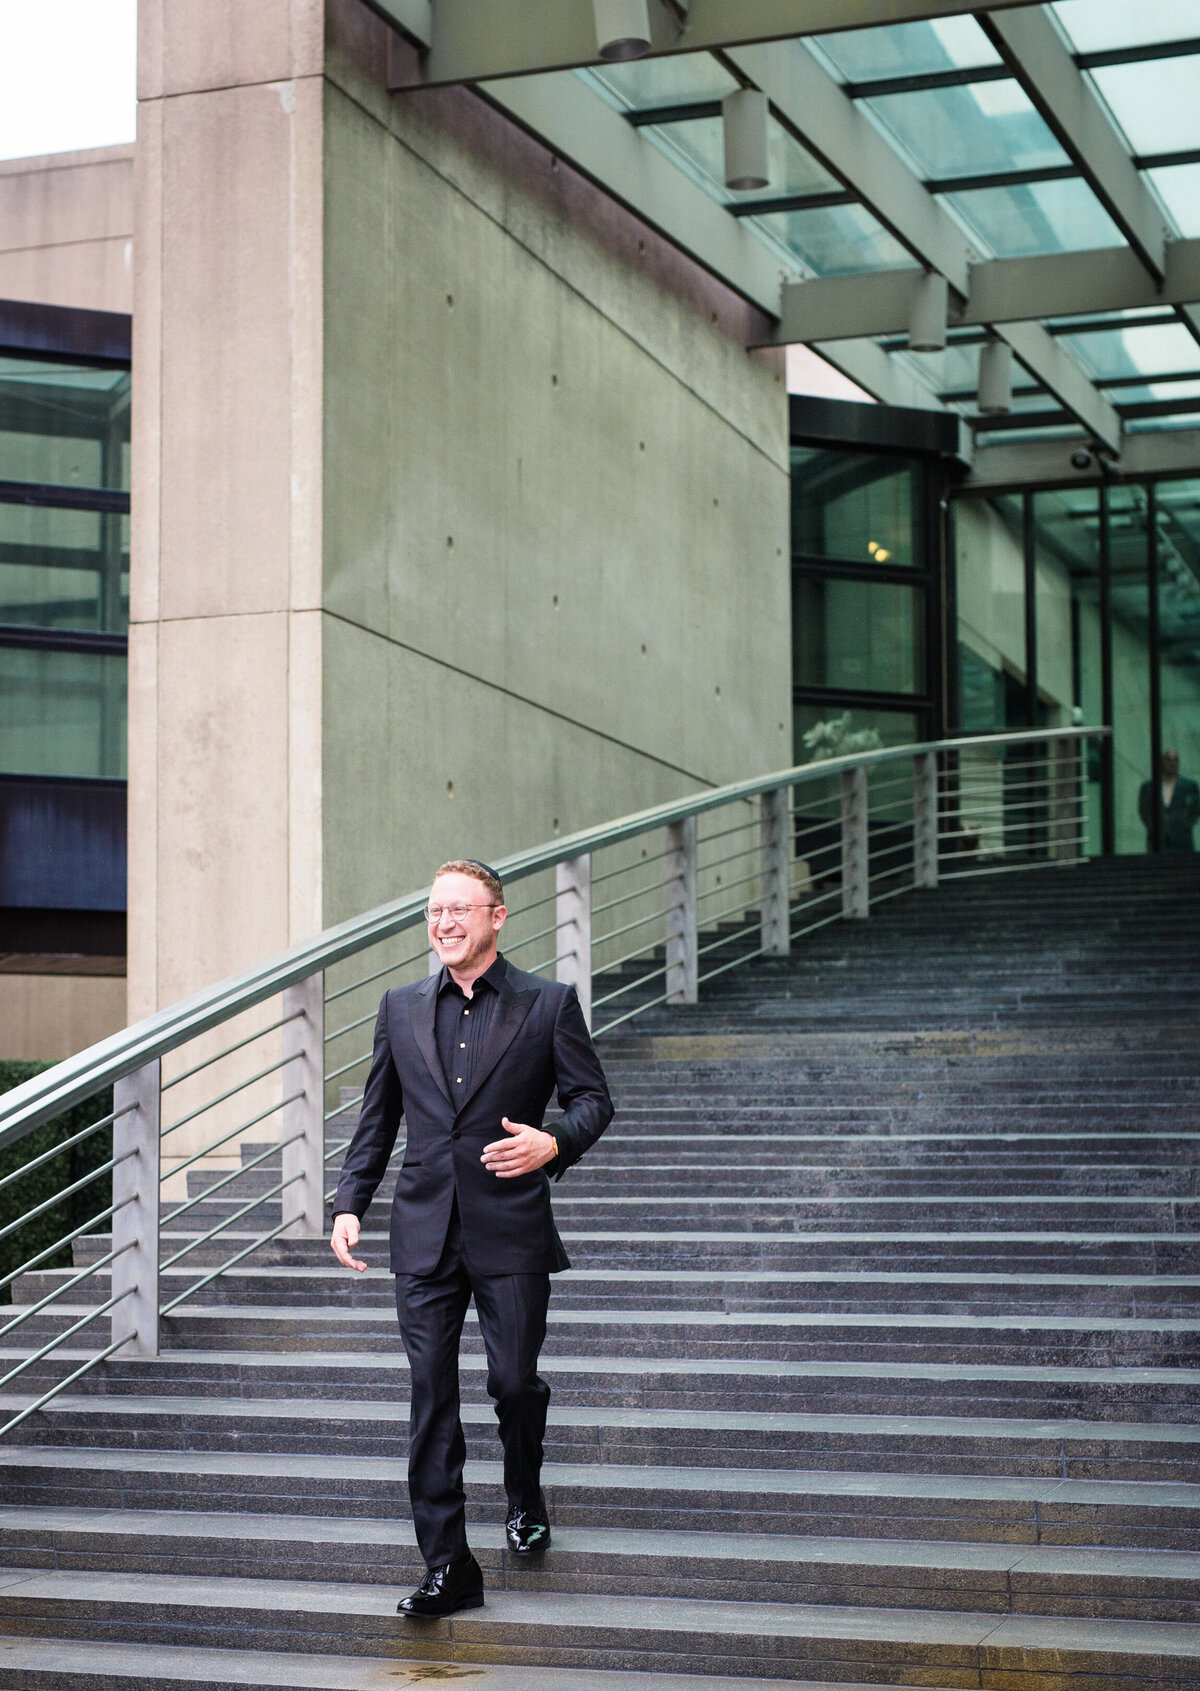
[(972, 124)]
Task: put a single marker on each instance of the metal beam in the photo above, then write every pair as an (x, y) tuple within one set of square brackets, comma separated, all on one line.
[(1037, 462), (481, 40), (1001, 290), (1042, 62), (816, 107), (413, 18), (1060, 375), (588, 133)]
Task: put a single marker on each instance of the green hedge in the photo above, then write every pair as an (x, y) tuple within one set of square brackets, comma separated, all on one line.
[(53, 1176)]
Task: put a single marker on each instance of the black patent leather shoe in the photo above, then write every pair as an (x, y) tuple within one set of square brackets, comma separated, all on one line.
[(528, 1530), (445, 1590)]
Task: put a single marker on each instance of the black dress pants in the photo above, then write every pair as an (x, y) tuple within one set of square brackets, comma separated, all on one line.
[(512, 1320)]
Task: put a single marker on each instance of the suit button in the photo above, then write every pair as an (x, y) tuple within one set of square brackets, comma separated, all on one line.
[(455, 1134)]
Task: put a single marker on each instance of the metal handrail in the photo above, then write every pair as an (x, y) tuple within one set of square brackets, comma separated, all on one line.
[(47, 1095)]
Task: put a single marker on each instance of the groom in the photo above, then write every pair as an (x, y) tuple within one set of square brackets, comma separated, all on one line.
[(470, 1057)]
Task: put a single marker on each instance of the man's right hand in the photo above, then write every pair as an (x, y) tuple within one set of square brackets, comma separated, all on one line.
[(343, 1240)]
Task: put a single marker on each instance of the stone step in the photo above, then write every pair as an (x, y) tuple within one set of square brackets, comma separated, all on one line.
[(1152, 1394), (1014, 1509), (345, 1425), (746, 1567), (634, 1633)]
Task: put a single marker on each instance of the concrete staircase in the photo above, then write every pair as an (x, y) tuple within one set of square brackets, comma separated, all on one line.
[(879, 1363)]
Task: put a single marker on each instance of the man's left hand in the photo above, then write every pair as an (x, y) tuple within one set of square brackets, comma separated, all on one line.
[(526, 1148)]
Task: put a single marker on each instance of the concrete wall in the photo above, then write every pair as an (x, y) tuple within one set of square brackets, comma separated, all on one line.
[(555, 498), (66, 229)]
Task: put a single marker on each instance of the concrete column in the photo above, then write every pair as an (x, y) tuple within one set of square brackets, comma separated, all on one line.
[(136, 1099), (776, 872), (683, 964), (855, 886), (573, 912), (925, 820), (304, 1073)]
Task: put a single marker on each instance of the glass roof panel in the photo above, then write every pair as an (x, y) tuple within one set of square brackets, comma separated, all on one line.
[(835, 240), (1156, 350), (908, 49), (984, 126), (674, 80), (1179, 190), (1093, 26), (1037, 217), (700, 141), (1156, 103), (1146, 425), (1155, 391)]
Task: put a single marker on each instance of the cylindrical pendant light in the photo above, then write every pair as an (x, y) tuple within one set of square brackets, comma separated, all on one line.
[(744, 118), (927, 316), (622, 29), (995, 377)]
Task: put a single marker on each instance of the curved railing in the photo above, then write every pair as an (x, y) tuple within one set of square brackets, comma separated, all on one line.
[(706, 883)]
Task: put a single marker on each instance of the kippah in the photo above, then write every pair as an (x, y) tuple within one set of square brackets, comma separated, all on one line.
[(487, 869)]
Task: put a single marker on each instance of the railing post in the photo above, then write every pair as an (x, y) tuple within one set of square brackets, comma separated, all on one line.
[(573, 911), (304, 1072), (855, 887), (925, 820), (137, 1103), (776, 872), (683, 963), (1066, 810)]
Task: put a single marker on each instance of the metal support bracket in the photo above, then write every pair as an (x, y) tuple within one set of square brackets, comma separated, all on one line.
[(304, 1067), (573, 912), (925, 820), (137, 1101), (683, 963), (855, 887), (776, 872)]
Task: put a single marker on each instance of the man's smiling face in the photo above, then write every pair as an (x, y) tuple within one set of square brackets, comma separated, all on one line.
[(465, 941)]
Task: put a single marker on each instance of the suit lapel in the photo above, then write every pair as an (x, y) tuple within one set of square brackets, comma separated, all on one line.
[(507, 1017), (422, 1009)]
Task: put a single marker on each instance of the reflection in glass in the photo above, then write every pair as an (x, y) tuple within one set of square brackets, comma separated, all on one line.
[(1066, 526), (1036, 217), (984, 126), (64, 569), (62, 425), (858, 634), (62, 713), (1127, 518), (856, 507), (989, 557)]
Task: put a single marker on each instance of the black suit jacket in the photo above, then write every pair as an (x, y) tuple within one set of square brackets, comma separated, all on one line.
[(1179, 817), (537, 1042)]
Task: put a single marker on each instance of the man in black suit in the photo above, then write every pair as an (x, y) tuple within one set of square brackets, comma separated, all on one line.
[(477, 1047), (1180, 807)]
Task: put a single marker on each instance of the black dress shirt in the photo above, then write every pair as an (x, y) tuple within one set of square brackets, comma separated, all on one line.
[(461, 1024)]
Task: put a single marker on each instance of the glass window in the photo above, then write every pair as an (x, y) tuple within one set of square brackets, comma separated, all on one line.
[(835, 240), (1178, 187), (62, 425), (1177, 507), (856, 507), (62, 713), (989, 552), (867, 635), (1127, 508), (1155, 102), (1094, 26), (985, 126), (1036, 217), (908, 49), (63, 568), (839, 731)]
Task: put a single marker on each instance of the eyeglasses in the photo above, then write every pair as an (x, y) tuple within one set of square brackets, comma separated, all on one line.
[(435, 912)]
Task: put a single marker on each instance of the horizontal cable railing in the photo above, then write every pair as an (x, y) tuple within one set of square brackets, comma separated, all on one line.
[(702, 885)]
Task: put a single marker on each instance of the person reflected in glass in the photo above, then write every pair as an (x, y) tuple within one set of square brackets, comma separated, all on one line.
[(1180, 807)]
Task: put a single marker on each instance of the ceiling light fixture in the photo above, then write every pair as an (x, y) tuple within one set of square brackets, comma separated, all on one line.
[(927, 315), (995, 378), (622, 29), (744, 120)]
